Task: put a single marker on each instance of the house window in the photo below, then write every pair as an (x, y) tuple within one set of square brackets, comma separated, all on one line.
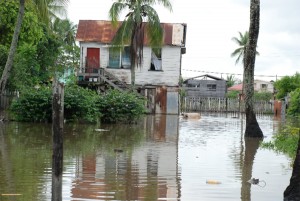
[(119, 58), (264, 86), (211, 87), (156, 59)]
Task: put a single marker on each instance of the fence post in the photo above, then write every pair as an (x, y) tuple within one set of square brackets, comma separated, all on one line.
[(57, 136)]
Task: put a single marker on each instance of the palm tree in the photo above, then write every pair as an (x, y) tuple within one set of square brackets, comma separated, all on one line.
[(132, 30), (231, 80), (44, 9), (242, 43), (252, 128)]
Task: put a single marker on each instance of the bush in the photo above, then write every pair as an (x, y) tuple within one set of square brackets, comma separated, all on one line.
[(81, 104), (294, 105), (35, 105), (263, 96), (116, 106), (285, 141), (232, 94)]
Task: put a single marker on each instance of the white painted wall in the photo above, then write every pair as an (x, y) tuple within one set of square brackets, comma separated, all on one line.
[(169, 76), (258, 86)]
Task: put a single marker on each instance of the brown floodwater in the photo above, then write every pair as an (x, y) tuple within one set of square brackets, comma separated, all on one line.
[(162, 157)]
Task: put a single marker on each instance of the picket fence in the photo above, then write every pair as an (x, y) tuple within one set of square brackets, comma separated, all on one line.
[(212, 104)]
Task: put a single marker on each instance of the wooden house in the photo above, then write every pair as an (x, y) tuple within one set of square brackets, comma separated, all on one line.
[(205, 86), (158, 76)]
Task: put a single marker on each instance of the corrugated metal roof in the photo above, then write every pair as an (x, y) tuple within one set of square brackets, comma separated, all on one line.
[(204, 77), (102, 31)]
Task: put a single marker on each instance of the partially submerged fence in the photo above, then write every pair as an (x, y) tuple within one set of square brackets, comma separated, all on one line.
[(212, 104)]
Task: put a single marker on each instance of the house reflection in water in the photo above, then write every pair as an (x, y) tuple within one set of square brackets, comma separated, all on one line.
[(146, 171)]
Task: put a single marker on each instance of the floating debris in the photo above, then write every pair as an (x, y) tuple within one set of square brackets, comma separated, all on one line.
[(118, 150), (11, 194), (100, 130), (213, 182), (257, 182)]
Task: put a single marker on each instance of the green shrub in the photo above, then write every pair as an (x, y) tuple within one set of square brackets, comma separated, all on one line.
[(232, 94), (80, 104), (35, 105), (263, 96), (116, 106), (294, 105), (285, 141)]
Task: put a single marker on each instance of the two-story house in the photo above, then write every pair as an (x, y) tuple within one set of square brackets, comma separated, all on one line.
[(158, 76)]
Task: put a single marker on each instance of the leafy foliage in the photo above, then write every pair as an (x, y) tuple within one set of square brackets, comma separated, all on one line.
[(263, 96), (294, 105), (26, 68), (286, 141), (116, 106), (31, 31), (3, 57), (33, 105), (232, 94), (132, 30), (286, 85), (80, 104)]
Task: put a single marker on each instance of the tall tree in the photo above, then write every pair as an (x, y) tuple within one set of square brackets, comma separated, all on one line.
[(42, 9), (241, 41), (13, 47), (132, 30), (252, 127)]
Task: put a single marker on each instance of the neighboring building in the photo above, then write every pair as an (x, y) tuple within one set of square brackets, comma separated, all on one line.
[(259, 86), (205, 86), (158, 76), (263, 86)]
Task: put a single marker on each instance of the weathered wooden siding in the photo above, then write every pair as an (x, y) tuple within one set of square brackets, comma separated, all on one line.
[(169, 75), (202, 91), (213, 104)]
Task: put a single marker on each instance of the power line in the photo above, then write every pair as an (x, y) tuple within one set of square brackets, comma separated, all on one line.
[(199, 71)]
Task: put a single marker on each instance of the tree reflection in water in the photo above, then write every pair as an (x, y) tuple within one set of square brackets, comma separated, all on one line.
[(251, 146)]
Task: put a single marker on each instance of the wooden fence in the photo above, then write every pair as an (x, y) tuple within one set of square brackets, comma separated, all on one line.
[(6, 98), (212, 104)]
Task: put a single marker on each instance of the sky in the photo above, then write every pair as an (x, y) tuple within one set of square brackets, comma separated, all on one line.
[(212, 24)]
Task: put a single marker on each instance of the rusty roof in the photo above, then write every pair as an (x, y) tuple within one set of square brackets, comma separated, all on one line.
[(102, 31)]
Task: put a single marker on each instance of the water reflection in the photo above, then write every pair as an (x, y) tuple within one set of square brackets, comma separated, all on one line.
[(160, 158)]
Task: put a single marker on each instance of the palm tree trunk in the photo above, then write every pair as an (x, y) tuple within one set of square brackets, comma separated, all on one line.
[(133, 55), (13, 47), (252, 127)]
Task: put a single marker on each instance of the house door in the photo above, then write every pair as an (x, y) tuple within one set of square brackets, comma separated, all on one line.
[(93, 60)]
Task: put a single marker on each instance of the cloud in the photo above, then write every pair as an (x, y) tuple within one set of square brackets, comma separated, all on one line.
[(210, 27)]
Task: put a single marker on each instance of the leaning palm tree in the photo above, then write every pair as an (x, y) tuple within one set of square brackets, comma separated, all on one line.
[(252, 127), (44, 13), (133, 29)]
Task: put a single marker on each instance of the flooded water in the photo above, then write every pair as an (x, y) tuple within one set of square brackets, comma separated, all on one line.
[(160, 158)]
